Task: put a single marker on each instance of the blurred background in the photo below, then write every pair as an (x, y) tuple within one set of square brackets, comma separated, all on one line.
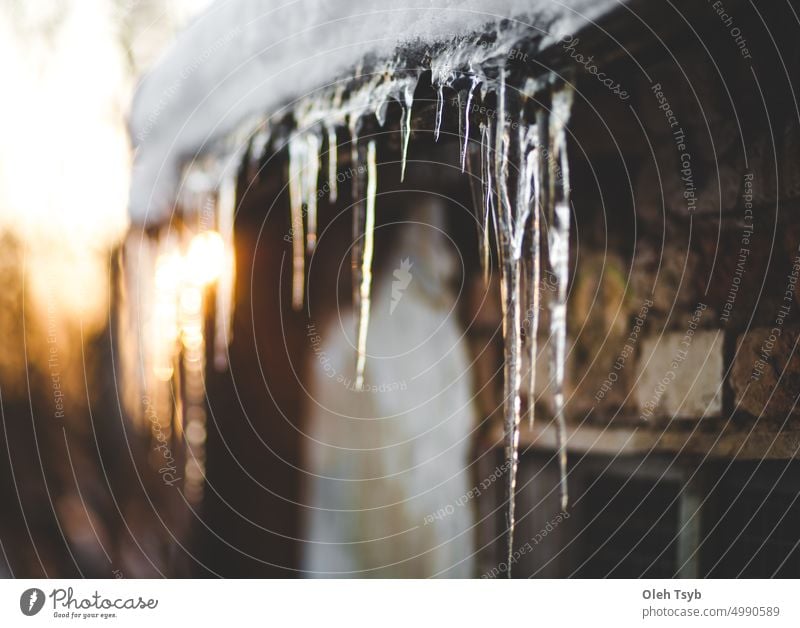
[(68, 484), (131, 447)]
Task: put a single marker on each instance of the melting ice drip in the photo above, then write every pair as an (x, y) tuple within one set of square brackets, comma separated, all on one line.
[(304, 148), (366, 266), (558, 250), (535, 159)]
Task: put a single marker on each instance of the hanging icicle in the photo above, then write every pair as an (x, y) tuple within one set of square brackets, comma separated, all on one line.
[(528, 199), (558, 252), (366, 265), (357, 250), (333, 148), (476, 192), (405, 126), (329, 111), (296, 150), (537, 135), (439, 112), (304, 149), (467, 109), (172, 343), (311, 172), (488, 196), (511, 220)]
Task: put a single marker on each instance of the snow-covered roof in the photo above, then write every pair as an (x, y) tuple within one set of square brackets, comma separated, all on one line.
[(242, 59)]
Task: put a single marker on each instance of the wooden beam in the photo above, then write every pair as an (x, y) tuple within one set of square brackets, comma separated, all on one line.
[(732, 442)]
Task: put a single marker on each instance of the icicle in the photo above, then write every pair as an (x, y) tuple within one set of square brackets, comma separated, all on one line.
[(366, 265), (527, 206), (310, 179), (488, 195), (439, 111), (461, 110), (502, 141), (296, 149), (358, 221), (558, 251), (536, 165), (510, 294), (466, 122), (511, 224), (405, 126), (226, 207), (354, 124), (303, 177), (333, 189), (477, 199)]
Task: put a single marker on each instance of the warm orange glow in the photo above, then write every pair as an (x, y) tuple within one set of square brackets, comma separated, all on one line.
[(65, 156), (206, 257), (180, 282), (168, 278)]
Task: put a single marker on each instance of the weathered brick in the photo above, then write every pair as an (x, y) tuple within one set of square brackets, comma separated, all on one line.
[(765, 377), (680, 376)]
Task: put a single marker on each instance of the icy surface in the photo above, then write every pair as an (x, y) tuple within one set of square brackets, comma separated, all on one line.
[(242, 59)]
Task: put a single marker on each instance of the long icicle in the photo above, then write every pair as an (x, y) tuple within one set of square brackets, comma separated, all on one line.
[(477, 199), (405, 127), (296, 150), (527, 199), (459, 103), (539, 138), (310, 180), (333, 189), (466, 122), (488, 195), (439, 112), (510, 263), (358, 218), (366, 265), (558, 250)]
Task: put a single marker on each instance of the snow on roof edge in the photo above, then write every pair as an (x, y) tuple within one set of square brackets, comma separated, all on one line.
[(242, 59)]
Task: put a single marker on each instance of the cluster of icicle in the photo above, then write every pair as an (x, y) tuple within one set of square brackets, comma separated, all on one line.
[(167, 286), (534, 162), (321, 117), (524, 179)]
